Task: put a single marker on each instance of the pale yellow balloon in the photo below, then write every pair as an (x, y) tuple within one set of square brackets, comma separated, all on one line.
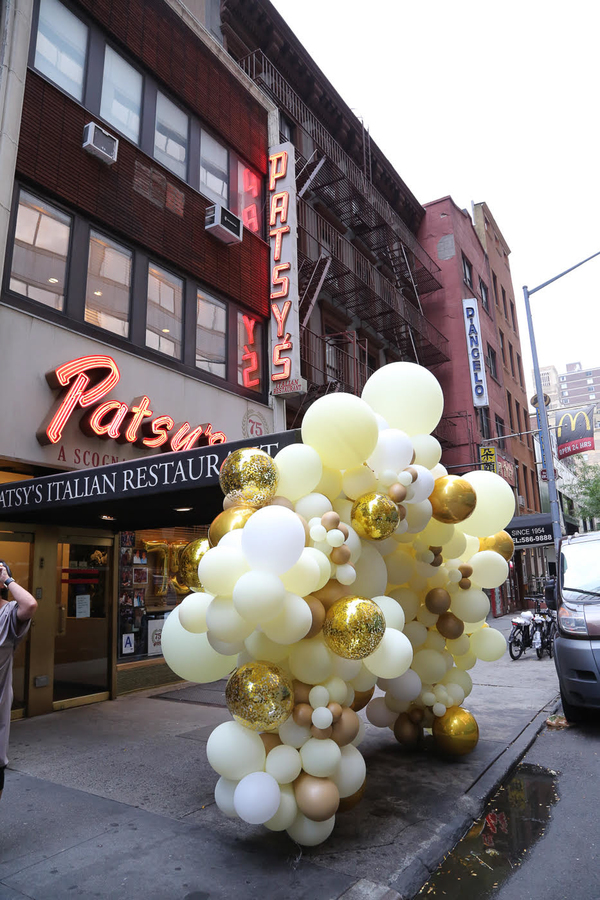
[(190, 655), (292, 623), (311, 661), (300, 470), (437, 534), (192, 612), (224, 621), (408, 396), (323, 564), (342, 429), (429, 666), (358, 481), (304, 576), (490, 570), (471, 548), (344, 510), (220, 568), (456, 546), (330, 484), (461, 677), (488, 644), (471, 605), (400, 565), (495, 504), (259, 646), (428, 450), (371, 572)]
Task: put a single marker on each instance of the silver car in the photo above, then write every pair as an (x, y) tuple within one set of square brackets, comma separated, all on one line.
[(576, 598)]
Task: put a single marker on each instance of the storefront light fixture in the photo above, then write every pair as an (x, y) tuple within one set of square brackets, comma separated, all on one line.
[(53, 281), (183, 508), (166, 331), (108, 518), (97, 293)]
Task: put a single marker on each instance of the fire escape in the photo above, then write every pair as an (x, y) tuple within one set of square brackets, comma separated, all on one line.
[(371, 264)]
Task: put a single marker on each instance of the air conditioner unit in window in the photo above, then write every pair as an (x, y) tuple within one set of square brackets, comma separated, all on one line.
[(223, 224), (100, 143)]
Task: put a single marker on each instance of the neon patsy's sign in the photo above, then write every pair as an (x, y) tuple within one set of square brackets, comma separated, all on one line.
[(285, 327), (85, 382)]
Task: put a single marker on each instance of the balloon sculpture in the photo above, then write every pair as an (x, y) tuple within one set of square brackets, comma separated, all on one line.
[(348, 562)]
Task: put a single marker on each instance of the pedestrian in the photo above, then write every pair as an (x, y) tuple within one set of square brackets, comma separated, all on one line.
[(17, 608)]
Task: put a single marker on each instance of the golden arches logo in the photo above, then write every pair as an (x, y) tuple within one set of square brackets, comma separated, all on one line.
[(573, 421)]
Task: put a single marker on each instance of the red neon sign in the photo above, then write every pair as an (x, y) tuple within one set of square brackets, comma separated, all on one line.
[(280, 282), (85, 382), (250, 355)]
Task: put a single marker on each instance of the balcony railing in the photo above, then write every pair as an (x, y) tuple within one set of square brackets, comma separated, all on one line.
[(335, 360)]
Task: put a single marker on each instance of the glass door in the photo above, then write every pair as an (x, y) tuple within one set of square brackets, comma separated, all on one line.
[(16, 552), (81, 650)]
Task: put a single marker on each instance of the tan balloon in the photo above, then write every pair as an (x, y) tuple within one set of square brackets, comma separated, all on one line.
[(318, 615), (350, 802), (270, 740), (317, 798), (301, 691), (407, 732), (321, 734), (336, 710), (361, 698), (341, 555), (450, 626), (302, 714), (282, 501), (437, 601), (346, 728), (397, 492), (228, 520), (330, 520), (501, 543), (332, 591), (453, 499)]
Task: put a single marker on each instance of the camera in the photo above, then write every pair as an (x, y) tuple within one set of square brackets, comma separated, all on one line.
[(7, 567)]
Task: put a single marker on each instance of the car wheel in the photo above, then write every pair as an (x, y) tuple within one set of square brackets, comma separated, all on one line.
[(572, 713)]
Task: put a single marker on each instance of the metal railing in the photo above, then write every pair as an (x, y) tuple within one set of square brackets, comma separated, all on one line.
[(326, 361)]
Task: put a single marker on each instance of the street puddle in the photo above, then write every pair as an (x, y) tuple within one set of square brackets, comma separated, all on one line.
[(497, 843)]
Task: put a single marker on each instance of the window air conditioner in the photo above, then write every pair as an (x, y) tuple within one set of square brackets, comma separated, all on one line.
[(223, 224), (100, 143)]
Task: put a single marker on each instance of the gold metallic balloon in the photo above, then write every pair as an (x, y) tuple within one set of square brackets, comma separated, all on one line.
[(249, 476), (456, 732), (374, 516), (175, 551), (353, 627), (159, 565), (228, 520), (188, 563), (453, 499), (501, 543), (260, 696)]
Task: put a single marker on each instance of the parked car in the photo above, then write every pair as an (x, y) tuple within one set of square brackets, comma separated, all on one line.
[(576, 597)]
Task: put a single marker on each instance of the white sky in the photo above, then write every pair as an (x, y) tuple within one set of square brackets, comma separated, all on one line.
[(494, 102)]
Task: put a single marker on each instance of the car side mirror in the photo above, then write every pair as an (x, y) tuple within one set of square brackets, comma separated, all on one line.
[(550, 594)]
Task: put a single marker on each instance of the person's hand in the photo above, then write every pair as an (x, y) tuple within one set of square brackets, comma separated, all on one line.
[(3, 574)]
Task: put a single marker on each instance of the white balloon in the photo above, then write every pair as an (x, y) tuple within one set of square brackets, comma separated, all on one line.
[(293, 734), (292, 623), (392, 657), (322, 717), (224, 791), (256, 798), (224, 621), (287, 812), (406, 687), (300, 470), (379, 714), (190, 655), (192, 612), (272, 539), (312, 506), (308, 833), (422, 487), (234, 751), (350, 772), (417, 516), (394, 451)]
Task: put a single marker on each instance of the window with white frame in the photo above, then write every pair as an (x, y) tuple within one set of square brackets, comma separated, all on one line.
[(61, 47), (40, 251), (121, 102), (108, 285), (171, 136), (211, 334), (214, 169), (164, 313)]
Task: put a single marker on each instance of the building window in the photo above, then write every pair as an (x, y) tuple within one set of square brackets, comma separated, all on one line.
[(495, 286), (211, 335), (518, 416), (108, 285), (592, 396), (500, 432), (589, 380), (511, 359), (512, 316), (564, 393), (502, 347), (121, 102), (526, 483), (563, 378), (510, 411), (164, 312), (520, 370), (41, 247), (483, 414), (171, 136), (249, 362), (214, 169), (61, 47), (504, 304), (467, 271), (485, 302), (491, 362)]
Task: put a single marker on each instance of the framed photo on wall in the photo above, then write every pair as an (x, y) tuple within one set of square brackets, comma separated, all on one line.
[(140, 575)]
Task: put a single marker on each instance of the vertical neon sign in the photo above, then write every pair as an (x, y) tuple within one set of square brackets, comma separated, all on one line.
[(285, 324)]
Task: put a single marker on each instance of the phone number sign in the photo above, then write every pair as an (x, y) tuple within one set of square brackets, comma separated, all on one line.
[(531, 535)]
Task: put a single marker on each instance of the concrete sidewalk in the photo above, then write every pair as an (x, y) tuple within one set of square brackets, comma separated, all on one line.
[(116, 800)]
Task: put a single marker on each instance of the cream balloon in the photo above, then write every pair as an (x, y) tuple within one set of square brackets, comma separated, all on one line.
[(310, 661), (192, 612), (392, 611), (428, 450), (393, 452), (272, 539), (471, 605), (400, 565), (417, 516), (190, 655), (371, 573), (458, 676), (312, 506), (406, 687), (456, 545), (259, 646), (300, 470), (429, 666), (224, 621), (234, 751), (220, 568), (323, 564), (490, 570), (408, 600), (294, 735), (342, 429), (304, 576), (224, 791), (350, 772), (408, 396), (488, 644), (472, 546), (308, 833), (283, 763), (358, 481), (495, 505), (292, 623), (320, 757), (287, 812), (392, 657), (257, 596)]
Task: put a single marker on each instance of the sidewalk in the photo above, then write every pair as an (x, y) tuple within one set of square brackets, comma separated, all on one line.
[(116, 800)]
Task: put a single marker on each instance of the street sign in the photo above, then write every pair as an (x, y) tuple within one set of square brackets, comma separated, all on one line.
[(487, 457)]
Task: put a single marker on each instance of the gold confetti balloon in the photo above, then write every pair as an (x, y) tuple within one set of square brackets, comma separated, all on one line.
[(260, 696), (249, 476), (501, 543), (190, 557), (228, 520), (374, 516), (456, 732), (453, 499), (353, 627)]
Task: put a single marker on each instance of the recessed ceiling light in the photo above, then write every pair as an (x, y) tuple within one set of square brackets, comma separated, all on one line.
[(53, 281), (108, 518), (97, 293), (183, 508), (165, 331)]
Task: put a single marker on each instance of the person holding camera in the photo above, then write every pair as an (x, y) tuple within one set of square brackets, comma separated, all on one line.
[(17, 608)]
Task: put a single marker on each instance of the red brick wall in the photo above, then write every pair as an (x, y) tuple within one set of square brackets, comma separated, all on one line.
[(50, 155)]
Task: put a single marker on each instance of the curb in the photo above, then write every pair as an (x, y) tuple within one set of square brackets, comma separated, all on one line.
[(420, 869)]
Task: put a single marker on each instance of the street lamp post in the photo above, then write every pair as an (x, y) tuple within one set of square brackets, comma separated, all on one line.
[(546, 446)]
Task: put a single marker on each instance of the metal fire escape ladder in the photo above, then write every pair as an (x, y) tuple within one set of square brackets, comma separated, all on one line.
[(312, 169), (411, 278), (313, 288)]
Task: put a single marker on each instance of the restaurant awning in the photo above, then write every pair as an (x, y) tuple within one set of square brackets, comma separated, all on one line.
[(531, 531)]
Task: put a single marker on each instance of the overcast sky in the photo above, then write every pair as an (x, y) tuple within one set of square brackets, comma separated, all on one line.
[(494, 102)]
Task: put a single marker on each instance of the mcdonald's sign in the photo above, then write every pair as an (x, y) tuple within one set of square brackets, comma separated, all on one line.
[(575, 431)]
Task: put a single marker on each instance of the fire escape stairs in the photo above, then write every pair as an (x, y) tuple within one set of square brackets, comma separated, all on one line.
[(313, 286)]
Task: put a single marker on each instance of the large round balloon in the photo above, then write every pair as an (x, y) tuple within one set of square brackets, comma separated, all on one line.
[(408, 396), (229, 520), (495, 504), (190, 655), (342, 429), (501, 543), (300, 471), (456, 732), (249, 476), (353, 627), (189, 558), (453, 500), (260, 696), (273, 539), (374, 516)]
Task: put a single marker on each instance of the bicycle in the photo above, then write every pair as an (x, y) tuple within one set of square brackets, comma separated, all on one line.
[(545, 631), (521, 635), (532, 629)]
